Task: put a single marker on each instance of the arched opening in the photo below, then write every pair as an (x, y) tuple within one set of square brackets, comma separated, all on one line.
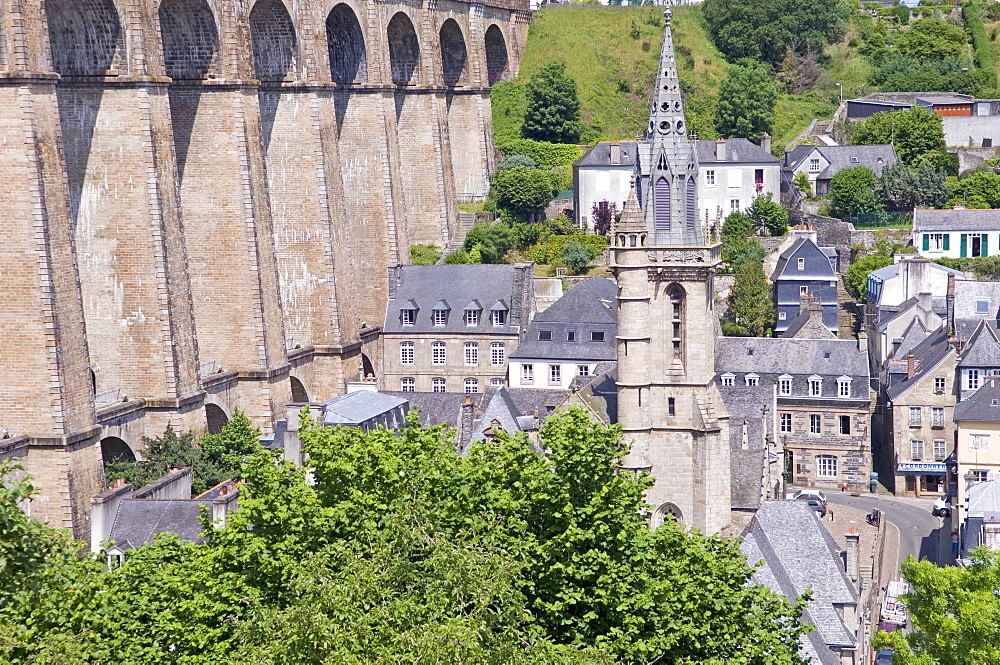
[(404, 49), (215, 418), (346, 44), (676, 295), (367, 369), (497, 61), (274, 41), (453, 52), (190, 39), (86, 36), (691, 204), (299, 394), (113, 448), (665, 513), (662, 204)]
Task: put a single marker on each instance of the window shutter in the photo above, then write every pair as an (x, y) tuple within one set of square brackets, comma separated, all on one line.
[(947, 242), (983, 250), (962, 240), (927, 241)]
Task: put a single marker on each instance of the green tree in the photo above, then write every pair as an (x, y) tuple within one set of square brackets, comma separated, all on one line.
[(768, 215), (577, 256), (516, 160), (738, 247), (802, 183), (751, 309), (226, 451), (914, 133), (978, 188), (931, 39), (856, 279), (160, 454), (424, 255), (553, 112), (904, 188), (522, 191), (953, 612), (488, 242), (852, 191), (746, 101)]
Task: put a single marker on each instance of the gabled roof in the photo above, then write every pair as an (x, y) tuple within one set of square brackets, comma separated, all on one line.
[(914, 335), (500, 408), (589, 306), (737, 151), (983, 497), (590, 301), (982, 407), (928, 355), (815, 331), (817, 264), (765, 355), (956, 220), (982, 349), (138, 521), (600, 155), (842, 157)]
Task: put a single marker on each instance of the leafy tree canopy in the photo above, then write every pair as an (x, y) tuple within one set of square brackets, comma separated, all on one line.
[(577, 256), (852, 191), (931, 39), (751, 309), (522, 190), (903, 188), (981, 189), (489, 242), (856, 279), (746, 101), (914, 133), (764, 30), (553, 112), (769, 216)]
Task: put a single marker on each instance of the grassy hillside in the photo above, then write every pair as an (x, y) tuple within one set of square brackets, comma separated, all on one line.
[(612, 53)]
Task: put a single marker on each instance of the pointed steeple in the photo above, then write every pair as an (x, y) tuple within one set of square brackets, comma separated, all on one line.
[(670, 202), (631, 217)]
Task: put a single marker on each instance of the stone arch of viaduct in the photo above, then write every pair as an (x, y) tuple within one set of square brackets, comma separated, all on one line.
[(200, 199)]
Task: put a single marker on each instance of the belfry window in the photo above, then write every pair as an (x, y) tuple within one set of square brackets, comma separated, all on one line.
[(676, 294)]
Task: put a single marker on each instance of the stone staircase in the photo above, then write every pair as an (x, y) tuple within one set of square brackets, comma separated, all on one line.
[(847, 321), (466, 220)]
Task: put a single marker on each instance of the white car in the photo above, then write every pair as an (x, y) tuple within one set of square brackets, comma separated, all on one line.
[(806, 494), (942, 506)]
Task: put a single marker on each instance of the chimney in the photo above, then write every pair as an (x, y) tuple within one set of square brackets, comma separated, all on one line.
[(720, 149), (924, 308), (395, 274), (224, 504), (862, 341), (911, 365), (805, 303), (466, 417), (853, 555), (950, 304), (616, 153), (765, 142), (787, 157)]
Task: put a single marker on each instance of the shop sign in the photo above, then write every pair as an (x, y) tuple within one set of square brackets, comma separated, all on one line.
[(934, 468)]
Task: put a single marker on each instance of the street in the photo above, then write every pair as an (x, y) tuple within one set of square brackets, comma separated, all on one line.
[(920, 534)]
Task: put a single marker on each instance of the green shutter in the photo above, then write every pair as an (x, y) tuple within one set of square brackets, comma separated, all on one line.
[(927, 241), (983, 250), (947, 242), (963, 239)]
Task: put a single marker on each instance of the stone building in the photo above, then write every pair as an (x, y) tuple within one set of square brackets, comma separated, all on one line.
[(664, 260), (805, 269), (200, 201), (451, 328), (820, 403)]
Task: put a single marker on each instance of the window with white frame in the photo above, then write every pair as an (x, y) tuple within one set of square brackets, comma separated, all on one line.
[(814, 166), (496, 382), (979, 475), (527, 373), (583, 370), (498, 353), (939, 384), (937, 416), (728, 379), (472, 317), (440, 317), (980, 443), (826, 466), (843, 387), (784, 386), (407, 384), (438, 355), (916, 416), (471, 354), (845, 424), (803, 290), (752, 380), (916, 449), (815, 424), (782, 316), (471, 386), (815, 386), (734, 205), (499, 317), (940, 450), (710, 178), (437, 385), (785, 422), (406, 353), (555, 373), (972, 379), (935, 240), (409, 317), (982, 307), (801, 264)]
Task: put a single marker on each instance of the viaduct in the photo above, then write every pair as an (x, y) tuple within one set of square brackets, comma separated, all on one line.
[(199, 201)]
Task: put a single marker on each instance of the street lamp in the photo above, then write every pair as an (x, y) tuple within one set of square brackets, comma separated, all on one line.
[(841, 86)]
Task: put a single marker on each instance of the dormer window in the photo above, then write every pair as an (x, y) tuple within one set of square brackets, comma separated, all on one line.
[(498, 313), (544, 335), (408, 313), (440, 313), (844, 386), (472, 311), (785, 385), (728, 379), (815, 386), (854, 160), (752, 380)]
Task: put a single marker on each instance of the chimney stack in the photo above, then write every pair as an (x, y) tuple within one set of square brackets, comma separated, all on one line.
[(765, 142), (616, 153), (950, 303), (911, 365), (720, 149), (853, 556), (862, 341)]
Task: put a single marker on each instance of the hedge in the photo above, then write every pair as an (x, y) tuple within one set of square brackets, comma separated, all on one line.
[(546, 155), (550, 251), (980, 42)]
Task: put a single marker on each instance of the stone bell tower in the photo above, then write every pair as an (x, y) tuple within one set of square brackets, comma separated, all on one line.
[(664, 260)]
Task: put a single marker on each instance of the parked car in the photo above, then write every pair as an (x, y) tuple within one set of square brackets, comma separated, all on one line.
[(942, 506), (884, 657), (806, 494), (816, 505)]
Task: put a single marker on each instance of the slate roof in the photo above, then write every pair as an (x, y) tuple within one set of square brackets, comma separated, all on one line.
[(928, 355), (600, 155), (746, 472), (601, 394), (587, 307), (501, 408), (767, 356), (437, 408), (982, 407), (818, 268), (983, 498), (542, 400), (138, 521), (967, 294), (799, 554), (915, 333), (803, 318), (956, 220), (359, 406), (745, 151), (983, 348), (458, 286), (843, 156)]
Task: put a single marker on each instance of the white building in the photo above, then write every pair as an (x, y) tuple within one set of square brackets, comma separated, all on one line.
[(821, 162), (956, 233), (603, 174)]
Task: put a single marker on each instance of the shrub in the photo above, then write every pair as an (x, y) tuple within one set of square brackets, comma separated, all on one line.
[(577, 256), (515, 160), (424, 255), (546, 155), (550, 251)]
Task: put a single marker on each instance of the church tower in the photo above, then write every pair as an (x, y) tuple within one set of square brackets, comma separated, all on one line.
[(664, 260)]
